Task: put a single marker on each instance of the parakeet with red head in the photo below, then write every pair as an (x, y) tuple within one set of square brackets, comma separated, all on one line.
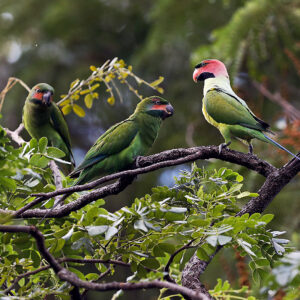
[(225, 110)]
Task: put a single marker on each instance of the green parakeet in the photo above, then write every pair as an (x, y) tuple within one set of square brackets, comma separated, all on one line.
[(120, 145), (225, 110), (43, 118)]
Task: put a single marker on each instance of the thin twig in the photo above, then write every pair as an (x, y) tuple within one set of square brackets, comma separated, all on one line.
[(9, 85), (15, 135), (289, 109)]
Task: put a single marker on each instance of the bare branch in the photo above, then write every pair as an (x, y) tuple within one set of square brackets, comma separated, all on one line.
[(14, 135), (10, 84), (166, 159), (167, 267), (56, 174), (66, 260), (288, 108), (149, 163)]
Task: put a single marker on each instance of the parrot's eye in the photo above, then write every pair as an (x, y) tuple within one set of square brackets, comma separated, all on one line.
[(157, 102), (38, 91)]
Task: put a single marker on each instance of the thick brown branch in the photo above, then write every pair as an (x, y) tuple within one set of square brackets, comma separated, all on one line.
[(274, 183), (40, 241), (63, 260), (74, 280), (70, 277), (174, 157), (146, 164)]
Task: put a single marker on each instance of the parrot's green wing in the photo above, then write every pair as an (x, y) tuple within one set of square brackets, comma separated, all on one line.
[(227, 109), (113, 141), (58, 122)]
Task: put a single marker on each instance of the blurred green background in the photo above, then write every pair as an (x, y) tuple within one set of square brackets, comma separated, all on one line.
[(259, 40)]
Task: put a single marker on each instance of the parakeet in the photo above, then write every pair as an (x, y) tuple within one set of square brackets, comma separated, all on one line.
[(225, 110), (43, 118), (120, 145)]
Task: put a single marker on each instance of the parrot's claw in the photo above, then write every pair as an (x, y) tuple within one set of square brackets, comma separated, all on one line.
[(223, 145), (250, 149), (137, 161)]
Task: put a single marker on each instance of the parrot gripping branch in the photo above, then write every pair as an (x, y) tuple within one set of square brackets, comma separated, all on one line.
[(70, 277), (147, 164)]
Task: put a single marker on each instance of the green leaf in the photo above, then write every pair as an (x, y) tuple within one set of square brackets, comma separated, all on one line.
[(39, 161), (166, 247), (262, 262), (267, 218), (243, 194), (262, 273), (43, 142), (55, 152), (91, 276), (198, 221), (151, 263), (256, 276), (201, 254), (8, 183), (57, 245), (33, 144)]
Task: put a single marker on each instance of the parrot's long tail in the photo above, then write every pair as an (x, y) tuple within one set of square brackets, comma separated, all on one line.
[(280, 146)]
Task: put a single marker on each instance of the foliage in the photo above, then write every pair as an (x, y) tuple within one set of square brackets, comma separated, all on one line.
[(106, 74), (199, 210), (242, 40)]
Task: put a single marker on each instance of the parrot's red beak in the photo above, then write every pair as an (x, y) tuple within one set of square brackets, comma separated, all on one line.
[(196, 74)]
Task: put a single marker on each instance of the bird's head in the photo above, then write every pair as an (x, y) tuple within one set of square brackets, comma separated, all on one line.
[(156, 107), (41, 93), (209, 68)]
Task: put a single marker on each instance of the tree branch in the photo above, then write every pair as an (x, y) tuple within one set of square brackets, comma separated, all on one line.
[(64, 260), (289, 109), (274, 183), (146, 164), (70, 277), (14, 135)]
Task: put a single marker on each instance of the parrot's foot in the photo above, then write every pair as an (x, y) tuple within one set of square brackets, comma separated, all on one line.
[(223, 146), (137, 161), (250, 149)]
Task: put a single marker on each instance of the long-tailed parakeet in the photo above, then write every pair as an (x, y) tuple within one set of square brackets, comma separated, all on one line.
[(225, 110)]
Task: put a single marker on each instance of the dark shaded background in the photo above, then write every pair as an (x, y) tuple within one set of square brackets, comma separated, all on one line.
[(57, 41)]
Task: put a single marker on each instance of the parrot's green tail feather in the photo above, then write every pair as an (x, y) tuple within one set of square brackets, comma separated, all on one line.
[(280, 146)]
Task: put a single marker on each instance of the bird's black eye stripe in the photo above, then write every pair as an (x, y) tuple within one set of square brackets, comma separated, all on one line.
[(203, 64), (38, 91)]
